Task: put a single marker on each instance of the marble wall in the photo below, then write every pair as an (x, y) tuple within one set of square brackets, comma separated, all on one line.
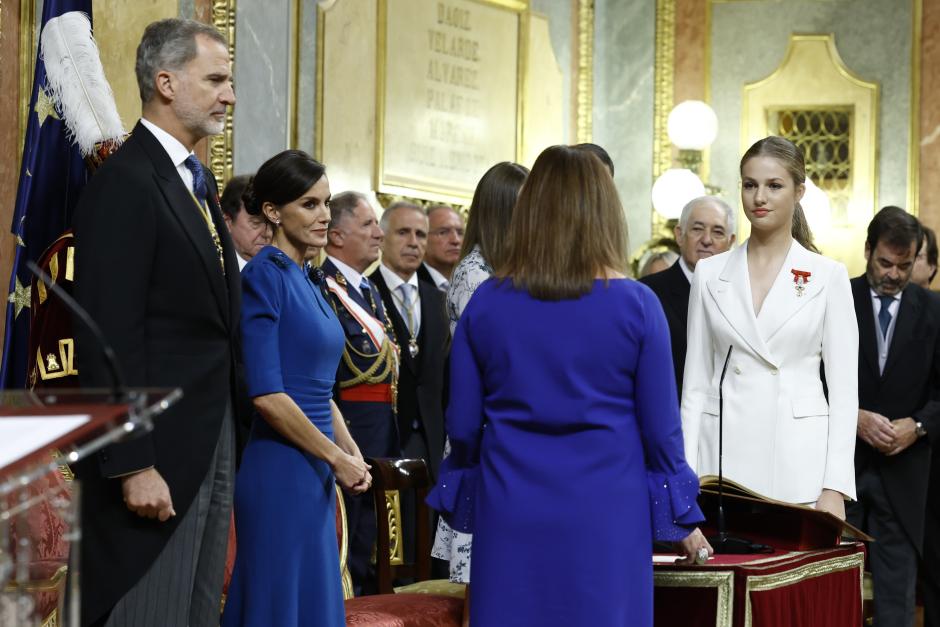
[(263, 73), (624, 34), (749, 40)]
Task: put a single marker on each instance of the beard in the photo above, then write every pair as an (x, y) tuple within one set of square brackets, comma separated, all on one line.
[(196, 120), (885, 285)]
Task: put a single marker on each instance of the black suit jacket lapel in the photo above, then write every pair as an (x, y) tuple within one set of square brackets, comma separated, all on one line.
[(428, 332), (866, 324), (908, 313), (680, 288), (232, 274), (182, 205), (398, 324)]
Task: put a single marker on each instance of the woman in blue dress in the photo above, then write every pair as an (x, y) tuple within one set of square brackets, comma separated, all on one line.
[(287, 565), (566, 446)]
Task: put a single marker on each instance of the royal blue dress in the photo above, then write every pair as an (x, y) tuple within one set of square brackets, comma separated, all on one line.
[(566, 455), (287, 566)]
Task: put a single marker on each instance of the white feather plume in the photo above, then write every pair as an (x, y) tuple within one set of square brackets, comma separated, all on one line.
[(77, 82)]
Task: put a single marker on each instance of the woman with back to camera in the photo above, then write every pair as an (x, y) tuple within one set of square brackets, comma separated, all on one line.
[(566, 450), (781, 309), (484, 246), (287, 565)]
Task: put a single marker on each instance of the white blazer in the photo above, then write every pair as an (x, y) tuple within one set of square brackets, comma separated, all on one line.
[(781, 438)]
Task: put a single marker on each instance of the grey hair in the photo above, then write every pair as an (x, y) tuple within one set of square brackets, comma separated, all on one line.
[(343, 205), (436, 207), (168, 45), (730, 217), (392, 208)]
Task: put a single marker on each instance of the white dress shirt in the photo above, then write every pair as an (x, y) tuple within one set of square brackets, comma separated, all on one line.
[(353, 276), (393, 281), (685, 269), (174, 149), (241, 262), (884, 342), (441, 282)]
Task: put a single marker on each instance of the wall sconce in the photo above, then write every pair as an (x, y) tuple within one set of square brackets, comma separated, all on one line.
[(692, 126), (673, 189)]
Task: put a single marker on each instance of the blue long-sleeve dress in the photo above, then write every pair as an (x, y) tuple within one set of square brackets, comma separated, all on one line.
[(566, 454), (287, 564)]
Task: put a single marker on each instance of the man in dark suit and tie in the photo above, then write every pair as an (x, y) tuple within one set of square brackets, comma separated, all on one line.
[(416, 310), (367, 374), (898, 418), (706, 227), (156, 268)]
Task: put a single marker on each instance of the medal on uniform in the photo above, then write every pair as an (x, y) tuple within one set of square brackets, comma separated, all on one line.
[(800, 279), (413, 348)]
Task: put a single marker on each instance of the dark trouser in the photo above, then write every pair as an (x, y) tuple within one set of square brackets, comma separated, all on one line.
[(372, 426), (892, 557), (184, 585), (931, 563)]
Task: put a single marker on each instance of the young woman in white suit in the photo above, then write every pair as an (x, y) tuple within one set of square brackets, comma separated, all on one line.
[(784, 310)]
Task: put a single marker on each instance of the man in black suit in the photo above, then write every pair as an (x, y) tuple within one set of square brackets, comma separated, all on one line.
[(706, 228), (416, 309), (898, 418), (156, 268), (367, 373), (445, 237)]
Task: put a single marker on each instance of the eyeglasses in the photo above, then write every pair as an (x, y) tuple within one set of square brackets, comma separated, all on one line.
[(446, 232)]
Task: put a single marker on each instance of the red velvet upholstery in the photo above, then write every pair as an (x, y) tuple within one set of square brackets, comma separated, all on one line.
[(49, 547), (404, 610)]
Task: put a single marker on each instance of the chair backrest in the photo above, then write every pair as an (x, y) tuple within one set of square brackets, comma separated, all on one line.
[(391, 477), (343, 542)]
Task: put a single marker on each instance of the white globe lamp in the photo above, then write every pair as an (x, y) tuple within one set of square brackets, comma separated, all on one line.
[(673, 189), (692, 125)]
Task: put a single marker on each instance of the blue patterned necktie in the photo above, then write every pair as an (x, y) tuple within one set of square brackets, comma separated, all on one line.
[(200, 192), (884, 316), (366, 290), (199, 179)]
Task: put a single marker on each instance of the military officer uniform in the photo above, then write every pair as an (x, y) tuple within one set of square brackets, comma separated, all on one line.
[(365, 392)]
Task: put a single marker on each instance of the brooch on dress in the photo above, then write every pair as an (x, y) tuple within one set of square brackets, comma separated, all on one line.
[(280, 260), (800, 279)]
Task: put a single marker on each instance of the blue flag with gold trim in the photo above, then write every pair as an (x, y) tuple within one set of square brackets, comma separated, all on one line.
[(52, 177)]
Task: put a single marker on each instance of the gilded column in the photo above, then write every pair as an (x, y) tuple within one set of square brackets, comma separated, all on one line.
[(221, 156), (585, 79)]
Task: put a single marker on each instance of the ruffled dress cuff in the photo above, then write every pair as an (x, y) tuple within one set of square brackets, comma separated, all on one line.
[(454, 495), (673, 505)]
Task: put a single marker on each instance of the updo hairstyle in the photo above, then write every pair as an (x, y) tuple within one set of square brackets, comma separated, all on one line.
[(283, 178)]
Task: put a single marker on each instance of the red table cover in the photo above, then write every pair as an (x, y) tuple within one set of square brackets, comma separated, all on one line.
[(821, 588)]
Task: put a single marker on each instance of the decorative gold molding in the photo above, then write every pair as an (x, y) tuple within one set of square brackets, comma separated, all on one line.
[(27, 64), (913, 161), (722, 580), (293, 115), (664, 76), (396, 548), (344, 547), (522, 66), (321, 51), (815, 569), (221, 147), (585, 78)]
